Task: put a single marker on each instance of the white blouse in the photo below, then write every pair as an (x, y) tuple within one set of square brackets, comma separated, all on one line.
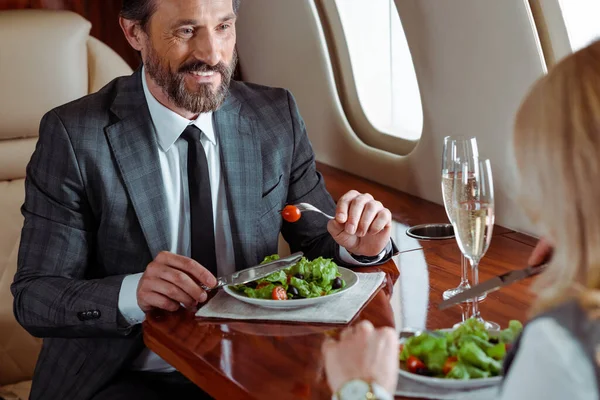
[(550, 365)]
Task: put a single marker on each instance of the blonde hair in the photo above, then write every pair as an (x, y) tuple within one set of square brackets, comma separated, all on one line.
[(557, 150)]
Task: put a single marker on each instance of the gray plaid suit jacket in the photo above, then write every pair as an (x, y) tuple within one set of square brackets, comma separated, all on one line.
[(95, 211)]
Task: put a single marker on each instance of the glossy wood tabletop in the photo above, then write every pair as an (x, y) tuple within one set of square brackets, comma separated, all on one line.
[(257, 360)]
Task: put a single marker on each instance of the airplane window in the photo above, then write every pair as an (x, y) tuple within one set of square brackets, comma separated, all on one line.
[(581, 20), (382, 67)]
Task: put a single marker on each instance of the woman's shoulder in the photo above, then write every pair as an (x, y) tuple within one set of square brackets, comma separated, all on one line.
[(550, 363), (548, 332)]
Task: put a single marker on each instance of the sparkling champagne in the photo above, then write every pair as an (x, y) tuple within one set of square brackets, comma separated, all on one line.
[(447, 192), (447, 181), (474, 225)]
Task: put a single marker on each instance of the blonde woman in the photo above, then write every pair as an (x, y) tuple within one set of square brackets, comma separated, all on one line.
[(557, 152)]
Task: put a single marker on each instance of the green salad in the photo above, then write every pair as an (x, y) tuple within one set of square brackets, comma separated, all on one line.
[(468, 352), (304, 279)]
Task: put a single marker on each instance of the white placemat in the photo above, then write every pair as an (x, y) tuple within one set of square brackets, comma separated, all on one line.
[(409, 388), (340, 310)]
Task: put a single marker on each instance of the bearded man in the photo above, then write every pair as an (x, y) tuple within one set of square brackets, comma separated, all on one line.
[(137, 196)]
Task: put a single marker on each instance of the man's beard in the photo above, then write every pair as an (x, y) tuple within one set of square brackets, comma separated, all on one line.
[(173, 83)]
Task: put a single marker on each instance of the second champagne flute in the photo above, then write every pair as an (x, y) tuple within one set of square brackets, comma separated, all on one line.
[(455, 148), (473, 201)]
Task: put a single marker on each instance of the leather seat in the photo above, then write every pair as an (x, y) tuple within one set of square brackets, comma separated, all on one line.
[(48, 58)]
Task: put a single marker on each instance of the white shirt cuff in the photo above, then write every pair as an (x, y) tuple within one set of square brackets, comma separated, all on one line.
[(128, 305), (347, 258)]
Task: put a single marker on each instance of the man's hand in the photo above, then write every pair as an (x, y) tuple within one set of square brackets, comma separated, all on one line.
[(362, 225), (171, 280), (541, 254), (365, 353)]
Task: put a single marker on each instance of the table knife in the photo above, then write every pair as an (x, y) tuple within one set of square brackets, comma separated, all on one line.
[(492, 285), (256, 272)]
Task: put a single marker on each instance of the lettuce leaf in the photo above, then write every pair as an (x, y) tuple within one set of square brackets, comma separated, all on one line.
[(270, 258), (497, 352), (430, 349), (306, 289), (509, 334), (459, 371), (276, 277), (473, 355), (264, 292), (469, 327)]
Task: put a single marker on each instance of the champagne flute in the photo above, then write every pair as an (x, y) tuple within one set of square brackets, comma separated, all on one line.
[(473, 201), (456, 148)]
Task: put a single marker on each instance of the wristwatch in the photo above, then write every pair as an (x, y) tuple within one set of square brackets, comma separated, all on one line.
[(356, 390)]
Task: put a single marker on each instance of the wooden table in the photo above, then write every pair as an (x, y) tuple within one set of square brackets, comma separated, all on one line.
[(250, 360)]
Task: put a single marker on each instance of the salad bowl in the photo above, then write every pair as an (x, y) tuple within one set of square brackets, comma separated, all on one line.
[(474, 353), (350, 278)]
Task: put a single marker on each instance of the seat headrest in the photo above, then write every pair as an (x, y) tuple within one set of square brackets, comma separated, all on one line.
[(47, 58), (43, 63)]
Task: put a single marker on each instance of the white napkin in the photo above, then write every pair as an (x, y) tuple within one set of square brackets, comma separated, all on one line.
[(409, 388), (340, 310)]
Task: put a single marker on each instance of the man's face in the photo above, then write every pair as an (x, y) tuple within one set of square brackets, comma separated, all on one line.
[(189, 51)]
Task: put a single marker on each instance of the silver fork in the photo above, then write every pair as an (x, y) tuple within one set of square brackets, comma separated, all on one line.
[(309, 207)]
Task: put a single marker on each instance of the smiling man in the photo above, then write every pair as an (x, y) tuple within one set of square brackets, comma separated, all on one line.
[(139, 195)]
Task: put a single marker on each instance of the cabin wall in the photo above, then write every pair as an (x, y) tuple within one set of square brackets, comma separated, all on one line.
[(474, 61)]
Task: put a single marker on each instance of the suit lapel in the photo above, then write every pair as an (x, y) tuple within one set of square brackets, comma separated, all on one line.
[(133, 144), (241, 166)]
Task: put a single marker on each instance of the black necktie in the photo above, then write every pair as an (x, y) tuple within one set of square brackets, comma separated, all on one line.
[(202, 225)]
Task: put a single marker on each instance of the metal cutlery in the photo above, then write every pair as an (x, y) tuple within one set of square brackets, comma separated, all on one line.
[(309, 207), (492, 285), (254, 273)]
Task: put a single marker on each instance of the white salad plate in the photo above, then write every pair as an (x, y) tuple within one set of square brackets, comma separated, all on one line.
[(348, 276), (449, 383)]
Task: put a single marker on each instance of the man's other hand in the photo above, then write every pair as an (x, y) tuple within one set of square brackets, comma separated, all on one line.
[(362, 225)]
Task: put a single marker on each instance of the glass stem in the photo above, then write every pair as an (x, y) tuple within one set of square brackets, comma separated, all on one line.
[(464, 312), (464, 278), (475, 269)]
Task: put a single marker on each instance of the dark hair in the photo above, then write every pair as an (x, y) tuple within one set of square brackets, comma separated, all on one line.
[(142, 10)]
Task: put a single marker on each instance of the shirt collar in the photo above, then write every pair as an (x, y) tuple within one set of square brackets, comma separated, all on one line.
[(169, 125)]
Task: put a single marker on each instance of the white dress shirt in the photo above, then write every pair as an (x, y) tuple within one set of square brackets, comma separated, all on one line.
[(172, 154)]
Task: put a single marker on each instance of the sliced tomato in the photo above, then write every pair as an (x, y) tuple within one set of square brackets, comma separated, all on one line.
[(401, 348), (262, 285), (449, 364), (414, 364), (279, 293), (290, 213)]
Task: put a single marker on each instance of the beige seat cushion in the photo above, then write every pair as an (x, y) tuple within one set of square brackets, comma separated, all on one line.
[(17, 391), (18, 349)]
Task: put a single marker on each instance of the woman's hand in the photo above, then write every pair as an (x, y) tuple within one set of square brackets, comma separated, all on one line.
[(365, 353), (541, 254)]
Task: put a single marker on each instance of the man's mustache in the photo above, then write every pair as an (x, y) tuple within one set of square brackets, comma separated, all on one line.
[(200, 66)]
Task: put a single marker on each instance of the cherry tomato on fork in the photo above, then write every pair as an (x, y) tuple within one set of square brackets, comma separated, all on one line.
[(290, 213), (279, 293)]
